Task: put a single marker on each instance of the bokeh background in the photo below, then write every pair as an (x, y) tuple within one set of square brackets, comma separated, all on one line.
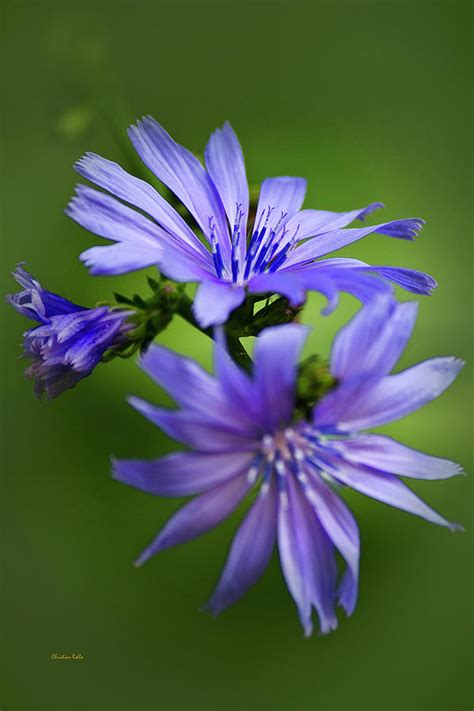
[(369, 101)]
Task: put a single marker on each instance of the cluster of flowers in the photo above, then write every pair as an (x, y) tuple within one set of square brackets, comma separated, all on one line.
[(285, 432)]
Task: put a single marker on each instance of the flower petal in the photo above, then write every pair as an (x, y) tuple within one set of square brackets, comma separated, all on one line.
[(336, 239), (388, 455), (225, 164), (410, 279), (276, 355), (362, 403), (328, 277), (182, 173), (341, 527), (119, 259), (283, 196), (112, 177), (386, 488), (142, 243), (287, 284), (111, 219), (185, 380), (250, 552), (307, 559), (201, 430), (215, 301), (198, 516), (239, 387), (315, 222), (374, 339), (36, 303), (181, 473)]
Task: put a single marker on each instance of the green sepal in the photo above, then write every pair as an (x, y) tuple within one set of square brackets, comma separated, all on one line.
[(314, 381)]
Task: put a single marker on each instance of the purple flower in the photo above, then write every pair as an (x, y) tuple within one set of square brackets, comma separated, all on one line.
[(70, 340), (278, 255), (243, 435)]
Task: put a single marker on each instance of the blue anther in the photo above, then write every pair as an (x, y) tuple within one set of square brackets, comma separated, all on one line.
[(281, 258)]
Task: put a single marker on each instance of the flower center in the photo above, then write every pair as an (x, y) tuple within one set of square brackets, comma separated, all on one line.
[(287, 452), (269, 245)]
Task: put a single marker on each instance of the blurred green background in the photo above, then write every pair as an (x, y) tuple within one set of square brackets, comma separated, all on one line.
[(370, 101)]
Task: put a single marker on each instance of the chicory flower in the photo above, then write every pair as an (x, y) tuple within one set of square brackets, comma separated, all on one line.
[(244, 435), (69, 341), (279, 253)]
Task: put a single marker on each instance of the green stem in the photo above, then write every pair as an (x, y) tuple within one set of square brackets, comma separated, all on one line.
[(238, 353), (236, 349), (185, 310)]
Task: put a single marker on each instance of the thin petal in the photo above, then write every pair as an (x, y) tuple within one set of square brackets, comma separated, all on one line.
[(198, 516), (185, 380), (307, 559), (142, 242), (331, 241), (36, 303), (386, 488), (215, 301), (250, 552), (362, 403), (315, 222), (110, 176), (111, 219), (341, 527), (201, 430), (327, 277), (287, 284), (410, 279), (119, 259), (277, 351), (283, 197), (238, 386), (373, 341), (182, 173), (225, 164), (388, 455), (181, 473)]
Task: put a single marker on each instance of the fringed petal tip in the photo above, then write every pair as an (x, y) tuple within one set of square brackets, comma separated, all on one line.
[(85, 162), (455, 364), (326, 626), (406, 228), (409, 279)]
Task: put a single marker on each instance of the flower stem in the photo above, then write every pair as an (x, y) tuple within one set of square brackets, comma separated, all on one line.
[(238, 353), (236, 349)]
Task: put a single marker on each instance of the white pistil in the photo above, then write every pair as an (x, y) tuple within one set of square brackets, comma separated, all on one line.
[(252, 475), (284, 500)]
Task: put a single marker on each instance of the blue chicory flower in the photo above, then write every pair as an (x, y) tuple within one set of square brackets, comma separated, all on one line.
[(243, 435), (279, 254), (70, 340)]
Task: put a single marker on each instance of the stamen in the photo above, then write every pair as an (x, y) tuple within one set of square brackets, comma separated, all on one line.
[(281, 258), (252, 475), (267, 442), (216, 250), (235, 242), (266, 478), (256, 241), (283, 255), (255, 469), (259, 267)]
